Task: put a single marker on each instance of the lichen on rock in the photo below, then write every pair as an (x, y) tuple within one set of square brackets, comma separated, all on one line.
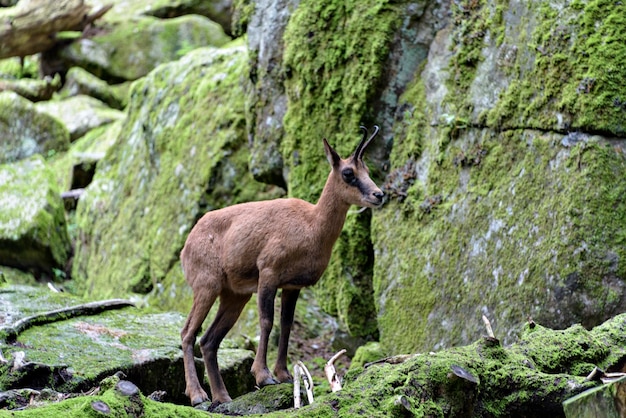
[(33, 234), (132, 48), (485, 210), (25, 131)]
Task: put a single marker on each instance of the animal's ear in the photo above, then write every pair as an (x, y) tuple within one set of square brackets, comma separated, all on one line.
[(331, 155)]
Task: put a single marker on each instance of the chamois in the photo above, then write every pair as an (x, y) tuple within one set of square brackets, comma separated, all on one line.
[(262, 247)]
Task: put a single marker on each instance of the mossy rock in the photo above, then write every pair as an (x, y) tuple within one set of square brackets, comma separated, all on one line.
[(75, 352), (25, 131), (131, 48), (33, 232), (487, 215), (218, 11), (80, 113), (110, 401), (76, 167), (81, 82)]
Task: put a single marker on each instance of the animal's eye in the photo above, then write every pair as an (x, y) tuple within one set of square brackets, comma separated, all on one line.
[(348, 176)]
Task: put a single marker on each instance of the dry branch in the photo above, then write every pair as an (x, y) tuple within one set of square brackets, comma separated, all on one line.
[(31, 26), (331, 373)]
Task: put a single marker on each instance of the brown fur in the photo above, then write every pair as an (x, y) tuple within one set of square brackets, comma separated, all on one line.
[(262, 247)]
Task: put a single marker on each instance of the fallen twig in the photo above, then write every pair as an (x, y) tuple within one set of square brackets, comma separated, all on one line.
[(331, 373), (300, 370), (9, 334), (488, 325)]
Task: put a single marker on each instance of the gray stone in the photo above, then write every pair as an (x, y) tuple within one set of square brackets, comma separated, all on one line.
[(26, 131), (80, 113), (33, 233)]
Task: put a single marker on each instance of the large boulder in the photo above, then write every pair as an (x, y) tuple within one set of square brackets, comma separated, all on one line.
[(25, 131), (33, 232), (504, 200), (180, 152), (131, 48)]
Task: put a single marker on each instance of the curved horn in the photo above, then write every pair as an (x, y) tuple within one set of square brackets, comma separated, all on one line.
[(358, 154), (360, 146)]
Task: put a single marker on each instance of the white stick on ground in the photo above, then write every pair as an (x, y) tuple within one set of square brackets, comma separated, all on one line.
[(331, 373), (300, 370)]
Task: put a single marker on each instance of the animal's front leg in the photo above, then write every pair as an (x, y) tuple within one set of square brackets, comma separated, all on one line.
[(262, 375), (287, 307)]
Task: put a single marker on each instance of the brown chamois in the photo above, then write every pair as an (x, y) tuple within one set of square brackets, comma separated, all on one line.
[(262, 247)]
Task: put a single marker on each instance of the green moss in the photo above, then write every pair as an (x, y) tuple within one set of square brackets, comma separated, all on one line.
[(351, 298), (333, 60), (118, 405), (471, 25), (529, 215), (136, 46), (334, 57), (576, 79), (410, 126), (26, 131), (33, 231), (16, 68), (369, 352), (242, 11)]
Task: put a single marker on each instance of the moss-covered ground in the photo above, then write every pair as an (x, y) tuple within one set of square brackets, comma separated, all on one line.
[(483, 379)]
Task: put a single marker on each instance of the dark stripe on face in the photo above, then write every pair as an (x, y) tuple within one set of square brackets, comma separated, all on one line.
[(359, 184)]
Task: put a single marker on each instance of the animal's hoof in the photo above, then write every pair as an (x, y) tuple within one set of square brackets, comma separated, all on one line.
[(198, 398), (268, 381), (287, 379)]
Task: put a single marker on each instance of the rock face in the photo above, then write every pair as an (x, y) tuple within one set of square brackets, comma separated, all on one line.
[(489, 215), (268, 101), (33, 234), (501, 154)]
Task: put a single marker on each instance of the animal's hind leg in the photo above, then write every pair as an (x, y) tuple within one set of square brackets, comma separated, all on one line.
[(231, 305), (287, 307), (202, 302)]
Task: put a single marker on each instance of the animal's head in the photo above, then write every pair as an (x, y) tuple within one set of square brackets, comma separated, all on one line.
[(351, 175)]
